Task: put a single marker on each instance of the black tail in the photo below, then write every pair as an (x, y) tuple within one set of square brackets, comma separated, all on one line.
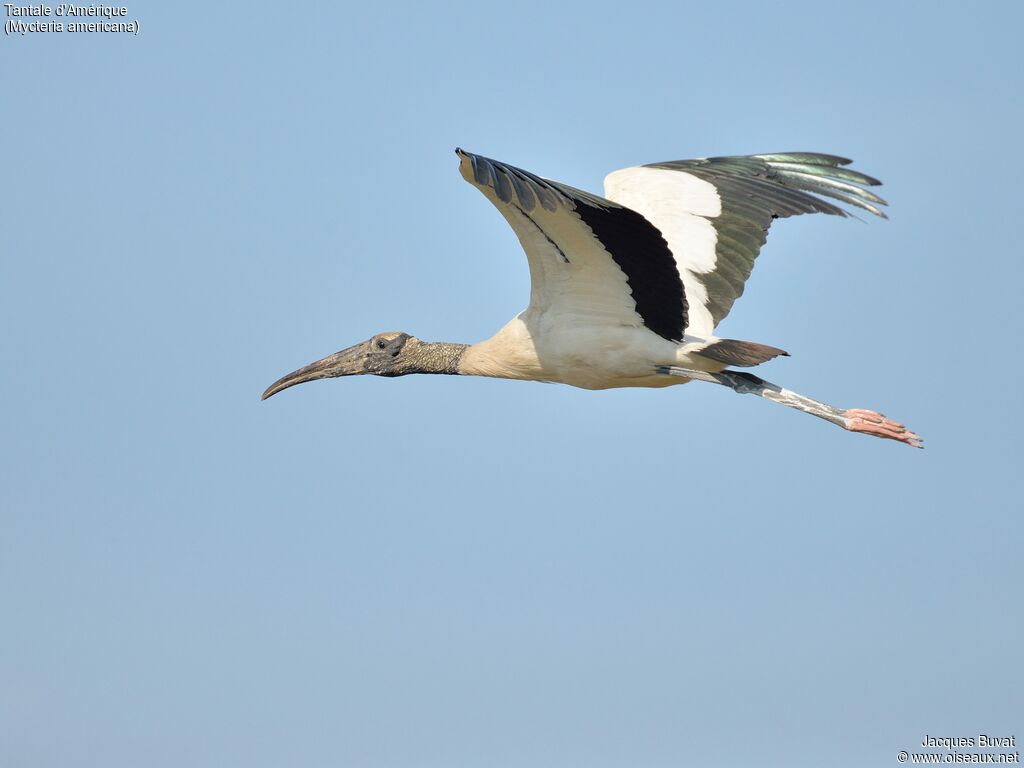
[(741, 353)]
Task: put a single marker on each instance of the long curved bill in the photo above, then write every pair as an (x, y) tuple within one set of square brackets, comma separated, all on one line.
[(347, 362)]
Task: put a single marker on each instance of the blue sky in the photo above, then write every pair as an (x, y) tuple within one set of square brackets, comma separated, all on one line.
[(433, 571)]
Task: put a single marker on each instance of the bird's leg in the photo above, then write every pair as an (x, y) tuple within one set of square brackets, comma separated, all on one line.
[(852, 419)]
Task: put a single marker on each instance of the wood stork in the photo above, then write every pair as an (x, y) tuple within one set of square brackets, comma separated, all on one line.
[(627, 288)]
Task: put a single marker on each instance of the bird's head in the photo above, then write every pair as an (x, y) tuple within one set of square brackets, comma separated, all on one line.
[(392, 353)]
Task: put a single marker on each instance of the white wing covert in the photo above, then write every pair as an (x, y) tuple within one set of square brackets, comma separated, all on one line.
[(715, 212), (590, 258)]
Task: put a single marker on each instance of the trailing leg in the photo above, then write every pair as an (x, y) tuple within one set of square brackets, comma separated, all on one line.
[(852, 419)]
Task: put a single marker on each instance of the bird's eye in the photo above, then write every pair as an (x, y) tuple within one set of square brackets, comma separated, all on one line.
[(381, 343)]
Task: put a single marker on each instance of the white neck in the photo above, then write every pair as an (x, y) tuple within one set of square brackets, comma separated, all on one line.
[(508, 354)]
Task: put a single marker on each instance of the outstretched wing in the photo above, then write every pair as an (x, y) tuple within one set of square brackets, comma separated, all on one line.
[(591, 259), (715, 213)]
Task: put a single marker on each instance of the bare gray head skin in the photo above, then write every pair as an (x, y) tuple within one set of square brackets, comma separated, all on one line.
[(392, 353)]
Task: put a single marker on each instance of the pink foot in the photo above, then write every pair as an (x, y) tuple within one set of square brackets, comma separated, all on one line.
[(871, 423)]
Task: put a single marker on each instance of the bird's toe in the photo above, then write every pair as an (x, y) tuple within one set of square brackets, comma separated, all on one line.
[(873, 423)]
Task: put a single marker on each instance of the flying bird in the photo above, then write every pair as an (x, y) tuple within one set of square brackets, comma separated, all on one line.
[(627, 289)]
